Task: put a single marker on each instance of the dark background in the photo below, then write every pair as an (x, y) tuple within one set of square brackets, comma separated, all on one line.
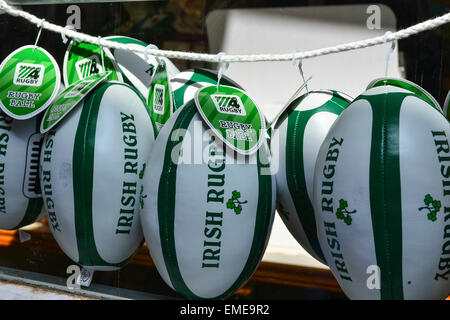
[(180, 25)]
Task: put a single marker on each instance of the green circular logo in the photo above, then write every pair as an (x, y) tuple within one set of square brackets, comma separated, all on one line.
[(29, 81)]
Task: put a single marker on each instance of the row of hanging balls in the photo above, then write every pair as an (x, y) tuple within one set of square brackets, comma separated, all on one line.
[(362, 184)]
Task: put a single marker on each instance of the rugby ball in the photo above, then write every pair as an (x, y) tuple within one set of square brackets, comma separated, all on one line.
[(91, 170), (137, 70), (382, 195), (208, 212), (20, 192), (185, 84), (296, 139)]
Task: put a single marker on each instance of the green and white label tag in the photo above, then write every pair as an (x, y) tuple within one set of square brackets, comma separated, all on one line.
[(68, 99), (159, 98), (29, 81), (84, 59), (233, 117)]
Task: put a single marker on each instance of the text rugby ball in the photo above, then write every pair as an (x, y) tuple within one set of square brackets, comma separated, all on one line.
[(91, 170), (208, 213), (186, 84), (382, 195), (295, 143), (20, 192)]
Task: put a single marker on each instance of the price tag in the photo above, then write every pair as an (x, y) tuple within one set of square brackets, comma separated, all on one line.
[(29, 81)]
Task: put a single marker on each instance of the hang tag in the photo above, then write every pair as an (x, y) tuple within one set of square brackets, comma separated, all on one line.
[(29, 81), (68, 99), (185, 84), (233, 117), (159, 98), (84, 59)]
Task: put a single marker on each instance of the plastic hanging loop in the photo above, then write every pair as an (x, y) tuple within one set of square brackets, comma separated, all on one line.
[(39, 34), (222, 67), (101, 51), (63, 32), (388, 52), (300, 68), (152, 46)]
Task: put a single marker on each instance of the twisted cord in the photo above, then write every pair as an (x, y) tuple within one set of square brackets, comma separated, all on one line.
[(193, 56)]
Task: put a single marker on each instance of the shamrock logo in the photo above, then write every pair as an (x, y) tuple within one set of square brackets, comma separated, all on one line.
[(343, 214), (234, 203), (433, 207)]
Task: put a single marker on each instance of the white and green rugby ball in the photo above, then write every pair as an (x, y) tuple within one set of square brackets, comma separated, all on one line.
[(208, 213), (186, 84), (296, 139), (91, 171), (382, 195), (20, 192), (136, 68)]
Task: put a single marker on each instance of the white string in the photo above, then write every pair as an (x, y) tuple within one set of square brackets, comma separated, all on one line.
[(99, 39), (300, 68), (39, 34), (193, 56), (293, 56), (149, 47), (63, 33), (222, 67), (388, 52)]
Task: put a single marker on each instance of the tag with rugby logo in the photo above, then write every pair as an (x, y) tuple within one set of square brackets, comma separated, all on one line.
[(185, 84), (233, 117), (29, 81), (159, 98), (68, 99), (84, 59)]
